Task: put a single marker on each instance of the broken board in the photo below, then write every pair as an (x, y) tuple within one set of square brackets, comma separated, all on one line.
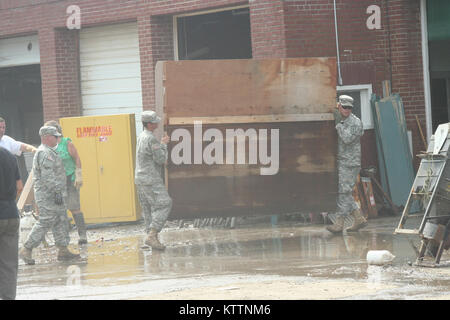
[(27, 195)]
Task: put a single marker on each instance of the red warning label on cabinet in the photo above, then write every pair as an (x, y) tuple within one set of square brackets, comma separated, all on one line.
[(103, 131)]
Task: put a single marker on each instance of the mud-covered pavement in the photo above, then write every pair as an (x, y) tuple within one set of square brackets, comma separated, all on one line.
[(252, 261)]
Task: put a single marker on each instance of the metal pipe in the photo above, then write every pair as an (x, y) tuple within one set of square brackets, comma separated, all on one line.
[(426, 68), (337, 46), (386, 2)]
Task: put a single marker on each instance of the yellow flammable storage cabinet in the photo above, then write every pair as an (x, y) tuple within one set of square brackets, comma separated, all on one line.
[(107, 148)]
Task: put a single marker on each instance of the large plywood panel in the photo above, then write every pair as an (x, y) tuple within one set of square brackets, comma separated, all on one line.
[(302, 90), (249, 87), (306, 180)]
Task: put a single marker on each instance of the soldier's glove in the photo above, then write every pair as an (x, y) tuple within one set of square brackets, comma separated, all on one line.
[(58, 198), (78, 178)]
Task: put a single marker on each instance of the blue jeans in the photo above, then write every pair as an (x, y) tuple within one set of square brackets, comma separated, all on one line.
[(9, 257)]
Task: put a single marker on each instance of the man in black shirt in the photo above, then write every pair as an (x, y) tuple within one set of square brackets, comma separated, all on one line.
[(10, 187)]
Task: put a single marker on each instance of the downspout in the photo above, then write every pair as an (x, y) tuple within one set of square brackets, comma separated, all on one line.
[(389, 41), (337, 46), (426, 68)]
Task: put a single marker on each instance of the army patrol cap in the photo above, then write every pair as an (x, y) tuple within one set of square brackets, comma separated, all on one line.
[(49, 131), (150, 116), (346, 100)]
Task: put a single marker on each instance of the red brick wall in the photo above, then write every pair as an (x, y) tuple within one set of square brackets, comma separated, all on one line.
[(68, 72), (156, 44), (310, 32), (50, 99), (59, 72), (366, 55), (267, 29), (59, 46)]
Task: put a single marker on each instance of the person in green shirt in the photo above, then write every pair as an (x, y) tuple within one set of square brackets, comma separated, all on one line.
[(72, 165)]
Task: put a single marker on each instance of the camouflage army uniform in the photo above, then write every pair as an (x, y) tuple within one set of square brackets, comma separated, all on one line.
[(153, 197), (49, 178), (349, 131)]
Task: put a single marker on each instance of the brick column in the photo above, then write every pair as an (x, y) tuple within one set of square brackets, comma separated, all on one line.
[(267, 29), (60, 73), (50, 99), (155, 44), (407, 65)]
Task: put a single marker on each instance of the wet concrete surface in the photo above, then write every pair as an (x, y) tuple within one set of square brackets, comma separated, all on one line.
[(288, 261)]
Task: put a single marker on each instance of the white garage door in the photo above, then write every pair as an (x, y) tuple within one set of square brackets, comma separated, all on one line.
[(110, 71), (19, 51)]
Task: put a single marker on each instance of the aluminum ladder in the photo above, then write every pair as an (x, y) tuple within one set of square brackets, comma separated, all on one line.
[(431, 188)]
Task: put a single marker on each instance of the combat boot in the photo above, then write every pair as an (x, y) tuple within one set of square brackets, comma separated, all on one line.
[(358, 221), (81, 227), (25, 255), (65, 255), (152, 240), (338, 225)]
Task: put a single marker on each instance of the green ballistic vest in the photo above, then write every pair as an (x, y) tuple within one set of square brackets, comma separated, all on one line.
[(68, 161)]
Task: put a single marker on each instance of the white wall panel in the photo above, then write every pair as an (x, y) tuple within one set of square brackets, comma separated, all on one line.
[(110, 71)]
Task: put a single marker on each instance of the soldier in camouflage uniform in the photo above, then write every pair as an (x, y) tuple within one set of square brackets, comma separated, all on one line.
[(349, 129), (49, 179), (153, 196)]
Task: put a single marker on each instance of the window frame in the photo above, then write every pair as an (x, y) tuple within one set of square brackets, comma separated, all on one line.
[(197, 13), (365, 93)]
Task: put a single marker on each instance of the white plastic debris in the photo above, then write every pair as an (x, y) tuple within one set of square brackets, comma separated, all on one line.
[(26, 224), (379, 257)]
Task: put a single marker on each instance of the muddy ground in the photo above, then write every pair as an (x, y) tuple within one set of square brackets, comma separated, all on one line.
[(290, 260)]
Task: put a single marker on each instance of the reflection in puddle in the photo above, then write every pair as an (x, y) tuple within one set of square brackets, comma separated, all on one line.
[(199, 253), (233, 252)]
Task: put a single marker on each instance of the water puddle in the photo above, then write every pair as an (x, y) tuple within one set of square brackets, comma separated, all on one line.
[(119, 268)]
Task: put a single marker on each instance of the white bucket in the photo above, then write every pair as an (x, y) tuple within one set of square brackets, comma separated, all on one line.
[(379, 257)]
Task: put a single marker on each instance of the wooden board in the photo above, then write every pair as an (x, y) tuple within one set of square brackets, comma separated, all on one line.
[(369, 197), (270, 118), (363, 194), (294, 96), (27, 195)]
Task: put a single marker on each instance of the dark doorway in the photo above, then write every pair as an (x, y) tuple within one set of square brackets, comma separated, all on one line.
[(21, 107), (218, 35), (439, 101), (21, 102), (438, 26), (439, 51)]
